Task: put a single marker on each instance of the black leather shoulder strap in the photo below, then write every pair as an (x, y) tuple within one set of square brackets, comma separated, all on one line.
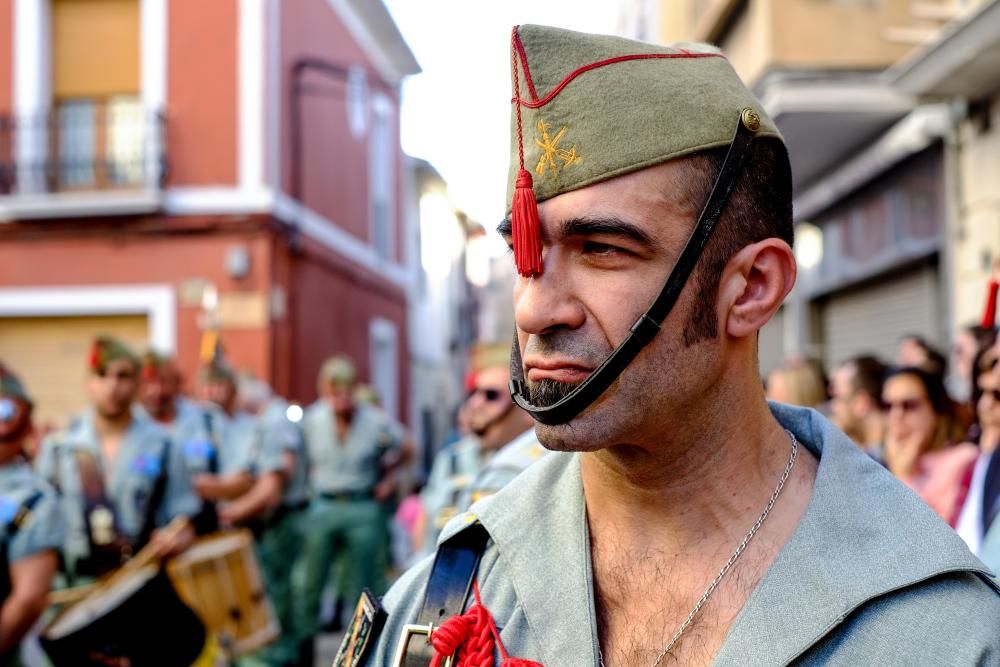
[(448, 587)]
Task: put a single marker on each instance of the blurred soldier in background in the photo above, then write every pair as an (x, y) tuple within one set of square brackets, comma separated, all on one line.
[(222, 469), (494, 421), (353, 453), (278, 497), (119, 477), (31, 527)]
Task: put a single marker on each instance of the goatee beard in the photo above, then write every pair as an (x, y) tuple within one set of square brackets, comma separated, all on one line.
[(544, 393)]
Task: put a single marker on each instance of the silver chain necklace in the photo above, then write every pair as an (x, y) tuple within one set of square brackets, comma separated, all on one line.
[(732, 559)]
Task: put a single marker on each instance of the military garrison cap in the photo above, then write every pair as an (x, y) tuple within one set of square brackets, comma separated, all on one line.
[(587, 108), (106, 349), (337, 370)]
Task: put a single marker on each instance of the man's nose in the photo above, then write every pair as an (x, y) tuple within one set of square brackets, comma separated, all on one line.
[(548, 301)]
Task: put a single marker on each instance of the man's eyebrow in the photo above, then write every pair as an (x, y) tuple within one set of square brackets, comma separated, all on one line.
[(504, 228), (588, 226)]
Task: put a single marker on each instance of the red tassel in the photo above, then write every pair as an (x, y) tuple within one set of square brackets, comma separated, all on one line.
[(526, 227)]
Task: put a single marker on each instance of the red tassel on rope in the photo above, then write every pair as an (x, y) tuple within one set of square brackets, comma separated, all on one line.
[(471, 637), (526, 228)]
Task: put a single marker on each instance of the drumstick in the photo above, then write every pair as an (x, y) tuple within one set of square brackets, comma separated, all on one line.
[(70, 595)]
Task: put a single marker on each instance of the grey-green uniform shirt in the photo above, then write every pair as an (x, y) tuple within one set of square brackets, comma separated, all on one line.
[(277, 435), (352, 465), (871, 575), (503, 467), (44, 528), (454, 469), (205, 433), (146, 453)]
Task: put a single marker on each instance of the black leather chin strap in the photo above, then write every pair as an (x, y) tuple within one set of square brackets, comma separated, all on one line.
[(648, 325)]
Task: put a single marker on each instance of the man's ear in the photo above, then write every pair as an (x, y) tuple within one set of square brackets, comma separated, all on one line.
[(754, 284)]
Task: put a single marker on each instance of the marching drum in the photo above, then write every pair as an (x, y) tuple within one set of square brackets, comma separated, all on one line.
[(220, 579), (134, 619)]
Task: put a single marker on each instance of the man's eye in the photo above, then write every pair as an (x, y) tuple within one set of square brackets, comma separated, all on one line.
[(600, 249)]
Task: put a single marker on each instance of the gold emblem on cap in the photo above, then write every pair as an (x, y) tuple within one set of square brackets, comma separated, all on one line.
[(751, 119), (551, 150)]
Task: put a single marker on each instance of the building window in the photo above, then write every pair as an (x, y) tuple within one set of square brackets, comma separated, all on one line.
[(383, 350), (382, 176)]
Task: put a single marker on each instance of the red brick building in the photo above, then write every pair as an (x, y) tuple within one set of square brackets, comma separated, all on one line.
[(158, 155)]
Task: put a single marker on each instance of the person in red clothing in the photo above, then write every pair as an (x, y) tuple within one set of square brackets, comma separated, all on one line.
[(973, 339)]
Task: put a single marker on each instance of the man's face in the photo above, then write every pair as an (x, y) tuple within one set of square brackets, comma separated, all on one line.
[(219, 391), (842, 395), (159, 390), (341, 399), (607, 251), (112, 392), (490, 399)]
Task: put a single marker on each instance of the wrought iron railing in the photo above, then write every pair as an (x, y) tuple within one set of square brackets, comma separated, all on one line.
[(83, 145)]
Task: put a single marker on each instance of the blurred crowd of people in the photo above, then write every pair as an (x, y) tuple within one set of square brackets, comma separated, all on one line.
[(330, 492), (933, 420)]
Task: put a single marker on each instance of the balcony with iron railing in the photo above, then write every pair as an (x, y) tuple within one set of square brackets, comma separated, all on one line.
[(82, 158)]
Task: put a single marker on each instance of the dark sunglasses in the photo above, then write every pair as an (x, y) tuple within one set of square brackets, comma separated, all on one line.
[(906, 405), (489, 394)]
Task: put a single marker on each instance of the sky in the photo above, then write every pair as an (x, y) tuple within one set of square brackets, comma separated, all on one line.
[(456, 113)]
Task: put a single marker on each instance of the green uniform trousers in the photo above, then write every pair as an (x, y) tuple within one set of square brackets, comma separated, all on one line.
[(344, 529), (278, 548)]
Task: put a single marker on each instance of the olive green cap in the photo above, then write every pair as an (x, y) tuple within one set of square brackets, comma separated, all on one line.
[(490, 355), (594, 107), (106, 349), (337, 370), (218, 370), (11, 386)]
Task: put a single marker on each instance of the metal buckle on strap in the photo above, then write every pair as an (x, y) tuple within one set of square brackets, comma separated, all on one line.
[(404, 642)]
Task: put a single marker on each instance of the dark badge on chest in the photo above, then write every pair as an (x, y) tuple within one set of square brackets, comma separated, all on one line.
[(366, 625)]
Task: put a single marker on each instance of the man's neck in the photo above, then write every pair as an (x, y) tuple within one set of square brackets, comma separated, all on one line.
[(989, 439), (665, 515), (111, 431), (685, 488), (502, 433)]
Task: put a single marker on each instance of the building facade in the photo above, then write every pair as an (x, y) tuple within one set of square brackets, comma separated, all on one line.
[(870, 162), (170, 164)]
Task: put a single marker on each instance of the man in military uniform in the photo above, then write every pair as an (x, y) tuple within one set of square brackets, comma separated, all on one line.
[(196, 428), (31, 527), (494, 421), (226, 467), (351, 450), (682, 519), (274, 506), (119, 476)]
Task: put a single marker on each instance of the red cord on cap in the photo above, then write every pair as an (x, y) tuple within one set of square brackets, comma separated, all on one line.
[(525, 226)]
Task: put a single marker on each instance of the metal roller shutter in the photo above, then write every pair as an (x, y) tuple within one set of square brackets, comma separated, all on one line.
[(871, 319)]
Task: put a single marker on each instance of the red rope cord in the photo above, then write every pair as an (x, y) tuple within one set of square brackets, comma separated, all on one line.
[(535, 104)]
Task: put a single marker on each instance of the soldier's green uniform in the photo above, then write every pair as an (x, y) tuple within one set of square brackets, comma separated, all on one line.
[(343, 513), (502, 468), (280, 537), (148, 465), (30, 524), (454, 469)]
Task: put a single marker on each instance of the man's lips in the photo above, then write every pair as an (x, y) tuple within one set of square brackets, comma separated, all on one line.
[(558, 371)]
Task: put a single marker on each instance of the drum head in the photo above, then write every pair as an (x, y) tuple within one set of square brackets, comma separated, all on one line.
[(138, 621)]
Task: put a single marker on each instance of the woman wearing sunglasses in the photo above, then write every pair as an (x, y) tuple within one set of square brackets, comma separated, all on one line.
[(920, 430)]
